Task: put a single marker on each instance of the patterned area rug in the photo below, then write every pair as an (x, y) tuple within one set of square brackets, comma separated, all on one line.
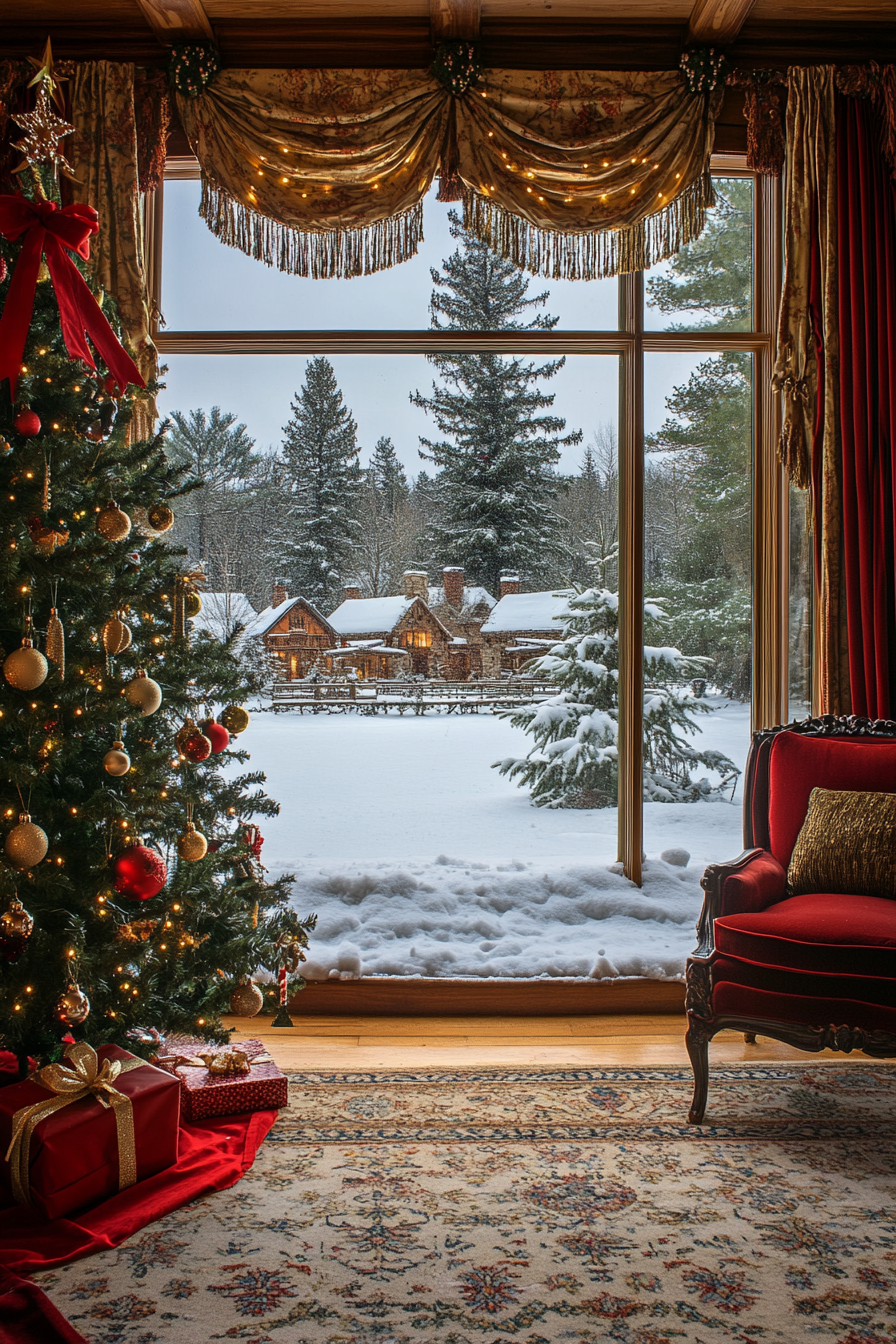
[(531, 1205)]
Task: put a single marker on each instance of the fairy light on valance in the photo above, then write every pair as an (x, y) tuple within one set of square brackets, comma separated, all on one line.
[(570, 174)]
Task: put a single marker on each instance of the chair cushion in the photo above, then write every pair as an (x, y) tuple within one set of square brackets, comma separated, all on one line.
[(823, 931), (798, 764), (847, 844)]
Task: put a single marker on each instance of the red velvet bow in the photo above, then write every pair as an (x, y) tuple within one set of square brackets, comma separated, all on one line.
[(48, 232)]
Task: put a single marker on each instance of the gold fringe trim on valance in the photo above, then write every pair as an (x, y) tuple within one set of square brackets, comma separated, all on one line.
[(591, 256), (331, 254)]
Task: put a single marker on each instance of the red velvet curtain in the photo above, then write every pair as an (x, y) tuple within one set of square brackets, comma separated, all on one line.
[(866, 251)]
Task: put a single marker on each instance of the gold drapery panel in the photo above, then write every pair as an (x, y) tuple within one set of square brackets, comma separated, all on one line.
[(807, 367), (570, 174), (104, 159)]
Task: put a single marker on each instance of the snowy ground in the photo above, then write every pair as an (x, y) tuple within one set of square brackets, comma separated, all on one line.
[(419, 859)]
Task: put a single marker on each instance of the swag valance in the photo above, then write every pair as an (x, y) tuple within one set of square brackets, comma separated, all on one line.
[(570, 174)]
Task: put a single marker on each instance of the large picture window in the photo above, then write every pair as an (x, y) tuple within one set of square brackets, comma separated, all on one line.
[(665, 489)]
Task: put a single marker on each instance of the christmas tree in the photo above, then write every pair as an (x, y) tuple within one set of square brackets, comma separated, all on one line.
[(496, 483), (320, 449), (575, 760), (132, 900)]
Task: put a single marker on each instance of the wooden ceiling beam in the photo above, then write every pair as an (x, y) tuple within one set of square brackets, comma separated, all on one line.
[(717, 21), (454, 19), (177, 20)]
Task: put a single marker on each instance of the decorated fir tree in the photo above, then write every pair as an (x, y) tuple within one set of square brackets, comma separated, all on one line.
[(132, 900), (575, 759)]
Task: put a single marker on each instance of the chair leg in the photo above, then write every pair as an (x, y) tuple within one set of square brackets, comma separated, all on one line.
[(697, 1042), (750, 1037)]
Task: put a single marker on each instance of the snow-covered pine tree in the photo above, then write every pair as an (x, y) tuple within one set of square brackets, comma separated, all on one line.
[(496, 484), (320, 451), (388, 475), (705, 570), (575, 759)]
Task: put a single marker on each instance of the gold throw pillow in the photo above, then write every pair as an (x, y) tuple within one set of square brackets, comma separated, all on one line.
[(847, 843)]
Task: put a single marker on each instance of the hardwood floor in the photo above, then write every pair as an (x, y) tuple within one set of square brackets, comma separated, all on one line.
[(452, 1042)]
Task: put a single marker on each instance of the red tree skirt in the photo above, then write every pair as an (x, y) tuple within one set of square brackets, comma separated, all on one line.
[(213, 1156)]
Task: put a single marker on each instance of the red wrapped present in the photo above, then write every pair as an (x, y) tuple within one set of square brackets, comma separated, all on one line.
[(79, 1131), (228, 1080)]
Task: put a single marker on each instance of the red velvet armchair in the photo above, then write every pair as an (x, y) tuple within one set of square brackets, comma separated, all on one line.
[(817, 971)]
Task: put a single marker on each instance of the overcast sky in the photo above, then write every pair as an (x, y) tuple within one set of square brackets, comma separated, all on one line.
[(207, 286)]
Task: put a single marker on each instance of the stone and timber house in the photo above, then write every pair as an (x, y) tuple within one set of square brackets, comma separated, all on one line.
[(521, 627), (294, 635), (380, 630)]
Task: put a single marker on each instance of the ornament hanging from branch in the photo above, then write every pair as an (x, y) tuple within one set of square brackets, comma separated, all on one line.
[(16, 926), (26, 844), (73, 1006), (56, 639)]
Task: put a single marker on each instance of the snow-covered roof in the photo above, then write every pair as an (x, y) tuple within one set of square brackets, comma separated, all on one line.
[(365, 615), (222, 612), (528, 611), (267, 619), (474, 596)]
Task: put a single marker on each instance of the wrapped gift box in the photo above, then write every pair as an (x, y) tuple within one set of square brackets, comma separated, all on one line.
[(74, 1152), (205, 1094)]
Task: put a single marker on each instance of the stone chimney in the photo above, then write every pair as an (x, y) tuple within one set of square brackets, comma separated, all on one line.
[(510, 583), (416, 583), (279, 593), (453, 583), (351, 592)]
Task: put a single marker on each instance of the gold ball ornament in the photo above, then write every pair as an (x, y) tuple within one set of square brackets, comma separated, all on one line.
[(116, 762), (116, 635), (26, 844), (192, 603), (15, 922), (5, 447), (234, 718), (143, 693), (26, 668), (160, 517), (113, 523), (183, 735), (247, 999), (73, 1006), (192, 845)]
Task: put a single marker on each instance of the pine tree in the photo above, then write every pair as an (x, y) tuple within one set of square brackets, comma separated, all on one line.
[(705, 572), (169, 962), (388, 476), (575, 759), (496, 483), (320, 451)]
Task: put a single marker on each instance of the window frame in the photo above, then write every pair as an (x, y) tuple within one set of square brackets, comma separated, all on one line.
[(630, 342)]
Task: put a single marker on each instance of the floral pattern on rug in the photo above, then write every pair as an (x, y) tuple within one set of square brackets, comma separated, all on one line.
[(532, 1206)]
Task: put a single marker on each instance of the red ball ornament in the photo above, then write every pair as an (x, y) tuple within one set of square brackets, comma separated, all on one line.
[(217, 734), (139, 873), (112, 386), (197, 747), (27, 423)]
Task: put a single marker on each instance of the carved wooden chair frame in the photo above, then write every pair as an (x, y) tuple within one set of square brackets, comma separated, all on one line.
[(703, 1024)]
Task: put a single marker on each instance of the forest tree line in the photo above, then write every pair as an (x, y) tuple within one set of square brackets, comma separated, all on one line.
[(490, 496)]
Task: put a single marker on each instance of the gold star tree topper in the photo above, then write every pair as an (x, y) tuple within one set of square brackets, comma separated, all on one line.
[(43, 129)]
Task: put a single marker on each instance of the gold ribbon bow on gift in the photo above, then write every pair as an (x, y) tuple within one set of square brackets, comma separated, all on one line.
[(86, 1077)]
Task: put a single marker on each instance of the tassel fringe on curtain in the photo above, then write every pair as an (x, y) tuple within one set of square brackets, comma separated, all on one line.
[(336, 253)]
